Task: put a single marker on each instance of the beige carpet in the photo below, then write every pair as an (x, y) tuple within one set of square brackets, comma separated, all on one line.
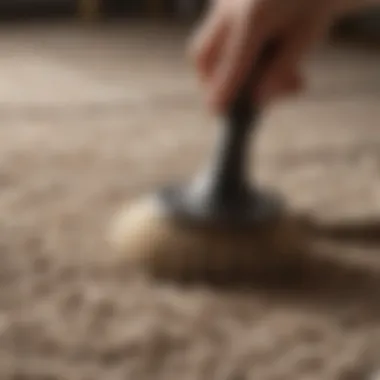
[(94, 117)]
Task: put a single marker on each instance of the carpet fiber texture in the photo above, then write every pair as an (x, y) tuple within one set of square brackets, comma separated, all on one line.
[(92, 118)]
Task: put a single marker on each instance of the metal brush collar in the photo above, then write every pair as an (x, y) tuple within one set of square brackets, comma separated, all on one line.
[(221, 195)]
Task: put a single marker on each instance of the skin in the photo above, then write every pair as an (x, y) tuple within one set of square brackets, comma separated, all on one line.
[(229, 40)]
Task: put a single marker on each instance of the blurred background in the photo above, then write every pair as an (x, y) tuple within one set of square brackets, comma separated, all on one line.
[(363, 20)]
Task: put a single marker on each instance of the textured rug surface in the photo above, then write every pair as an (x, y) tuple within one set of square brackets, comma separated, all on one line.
[(92, 118)]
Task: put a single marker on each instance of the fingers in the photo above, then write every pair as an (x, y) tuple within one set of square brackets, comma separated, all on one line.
[(298, 42), (282, 78), (237, 57), (207, 43), (232, 35)]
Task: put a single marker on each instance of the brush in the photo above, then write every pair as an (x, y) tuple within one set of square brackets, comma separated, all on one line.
[(218, 227)]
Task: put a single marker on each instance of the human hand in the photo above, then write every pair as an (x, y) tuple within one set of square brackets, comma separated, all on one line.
[(231, 36)]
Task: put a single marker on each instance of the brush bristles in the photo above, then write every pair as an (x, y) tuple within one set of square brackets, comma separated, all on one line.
[(148, 239)]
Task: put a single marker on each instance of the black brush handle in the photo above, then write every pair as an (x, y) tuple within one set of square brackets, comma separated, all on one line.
[(226, 177)]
